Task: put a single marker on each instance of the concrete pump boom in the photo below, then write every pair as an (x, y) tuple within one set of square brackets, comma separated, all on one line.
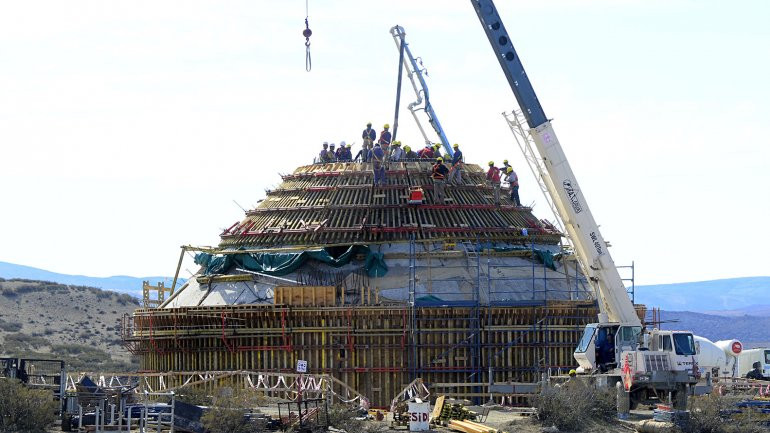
[(590, 248), (399, 36)]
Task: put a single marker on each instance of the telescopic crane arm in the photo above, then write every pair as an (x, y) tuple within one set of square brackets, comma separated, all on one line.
[(590, 248)]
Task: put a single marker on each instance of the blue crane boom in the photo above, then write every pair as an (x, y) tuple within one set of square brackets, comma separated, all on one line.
[(510, 62)]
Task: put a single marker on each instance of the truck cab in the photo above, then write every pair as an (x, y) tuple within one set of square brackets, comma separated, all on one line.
[(681, 346), (602, 344)]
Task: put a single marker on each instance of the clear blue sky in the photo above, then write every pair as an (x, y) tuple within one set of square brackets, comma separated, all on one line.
[(128, 128)]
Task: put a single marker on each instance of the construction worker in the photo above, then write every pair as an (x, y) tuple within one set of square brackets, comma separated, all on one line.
[(332, 154), (369, 133), (505, 166), (385, 137), (756, 373), (409, 153), (456, 174), (339, 154), (513, 182), (437, 151), (323, 156), (378, 164), (426, 152), (438, 174), (343, 153), (493, 177), (365, 154), (396, 152)]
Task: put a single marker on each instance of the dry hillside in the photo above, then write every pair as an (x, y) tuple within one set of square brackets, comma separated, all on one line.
[(80, 325)]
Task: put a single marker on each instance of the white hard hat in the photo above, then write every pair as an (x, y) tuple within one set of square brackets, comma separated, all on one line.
[(342, 143)]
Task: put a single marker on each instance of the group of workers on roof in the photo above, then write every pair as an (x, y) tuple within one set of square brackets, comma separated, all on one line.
[(379, 151)]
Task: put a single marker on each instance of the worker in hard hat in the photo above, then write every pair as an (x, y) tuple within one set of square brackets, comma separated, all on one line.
[(323, 155), (365, 154), (571, 381), (456, 173), (504, 168), (378, 164), (437, 151), (396, 152), (369, 133), (409, 153), (385, 137), (493, 178), (513, 182), (332, 153), (343, 153), (439, 173), (426, 152)]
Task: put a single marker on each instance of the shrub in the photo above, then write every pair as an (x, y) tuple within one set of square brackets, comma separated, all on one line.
[(9, 292), (10, 326), (717, 414), (575, 407), (23, 409), (228, 413)]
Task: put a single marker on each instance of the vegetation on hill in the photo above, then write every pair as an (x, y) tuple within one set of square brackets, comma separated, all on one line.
[(80, 325)]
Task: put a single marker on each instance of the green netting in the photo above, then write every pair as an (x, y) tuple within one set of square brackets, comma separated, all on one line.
[(543, 256), (279, 264)]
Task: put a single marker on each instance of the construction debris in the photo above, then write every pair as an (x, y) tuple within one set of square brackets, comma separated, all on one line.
[(472, 427)]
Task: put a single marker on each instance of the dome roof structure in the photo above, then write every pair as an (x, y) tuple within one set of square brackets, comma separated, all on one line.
[(328, 225)]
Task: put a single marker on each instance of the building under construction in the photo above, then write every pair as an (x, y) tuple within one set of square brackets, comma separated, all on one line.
[(375, 289)]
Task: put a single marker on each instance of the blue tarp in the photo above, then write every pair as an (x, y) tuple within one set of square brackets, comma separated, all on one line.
[(279, 264)]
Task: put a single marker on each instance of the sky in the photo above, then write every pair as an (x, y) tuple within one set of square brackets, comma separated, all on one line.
[(130, 128)]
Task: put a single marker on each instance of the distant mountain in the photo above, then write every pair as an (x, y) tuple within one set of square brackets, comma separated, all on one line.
[(734, 294), (752, 331), (119, 283)]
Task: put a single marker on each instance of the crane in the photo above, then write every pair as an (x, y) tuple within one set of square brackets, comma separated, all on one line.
[(616, 350), (421, 90)]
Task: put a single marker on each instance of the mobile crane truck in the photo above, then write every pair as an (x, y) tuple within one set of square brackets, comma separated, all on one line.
[(645, 365)]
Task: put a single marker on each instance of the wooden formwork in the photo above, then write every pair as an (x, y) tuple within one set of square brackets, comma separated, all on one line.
[(375, 350), (337, 203)]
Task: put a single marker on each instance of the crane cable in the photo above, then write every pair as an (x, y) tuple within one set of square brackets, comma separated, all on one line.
[(307, 33)]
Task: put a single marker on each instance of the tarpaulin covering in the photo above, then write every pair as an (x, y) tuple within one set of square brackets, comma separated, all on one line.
[(280, 264), (543, 256)]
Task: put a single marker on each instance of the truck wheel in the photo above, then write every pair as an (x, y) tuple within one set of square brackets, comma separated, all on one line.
[(635, 397)]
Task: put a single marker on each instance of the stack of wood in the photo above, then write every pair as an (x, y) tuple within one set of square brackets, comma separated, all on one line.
[(471, 427), (456, 411)]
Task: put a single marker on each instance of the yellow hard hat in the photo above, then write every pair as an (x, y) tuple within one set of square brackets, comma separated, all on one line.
[(439, 159), (347, 145), (407, 148), (397, 143), (491, 163), (509, 169), (368, 123), (386, 126), (505, 161), (572, 372), (455, 145), (436, 145)]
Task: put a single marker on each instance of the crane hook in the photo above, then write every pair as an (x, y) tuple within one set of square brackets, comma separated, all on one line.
[(307, 33)]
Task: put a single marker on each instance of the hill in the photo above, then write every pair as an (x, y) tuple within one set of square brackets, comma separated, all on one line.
[(707, 296), (80, 325), (119, 283), (752, 331)]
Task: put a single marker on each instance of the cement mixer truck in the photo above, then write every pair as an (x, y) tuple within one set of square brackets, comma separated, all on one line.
[(718, 359)]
